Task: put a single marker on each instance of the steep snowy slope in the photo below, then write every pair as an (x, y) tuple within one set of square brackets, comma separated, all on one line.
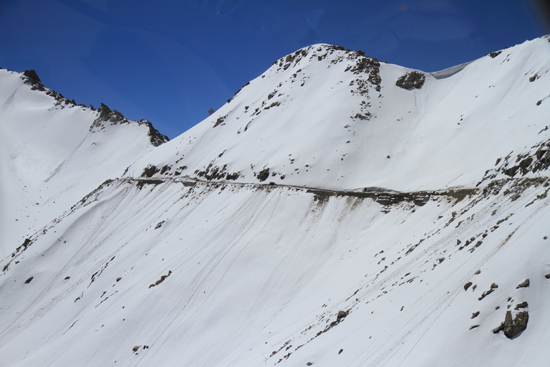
[(328, 117), (53, 152), (143, 273), (193, 258)]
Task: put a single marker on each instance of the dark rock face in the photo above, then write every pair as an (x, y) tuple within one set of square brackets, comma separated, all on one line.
[(513, 327), (517, 325), (115, 117), (105, 112), (263, 175), (104, 115), (149, 171), (142, 182), (31, 78), (534, 161), (165, 168), (232, 176), (212, 172), (155, 137), (411, 80)]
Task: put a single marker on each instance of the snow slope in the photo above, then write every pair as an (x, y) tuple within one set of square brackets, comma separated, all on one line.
[(51, 156), (252, 276), (311, 122), (355, 260)]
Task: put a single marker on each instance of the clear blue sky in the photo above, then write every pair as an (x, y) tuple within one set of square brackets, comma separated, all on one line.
[(170, 61)]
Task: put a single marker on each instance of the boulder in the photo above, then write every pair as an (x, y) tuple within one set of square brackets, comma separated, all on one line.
[(513, 327), (523, 284)]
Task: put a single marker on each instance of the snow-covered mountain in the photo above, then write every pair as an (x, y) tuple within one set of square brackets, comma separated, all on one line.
[(332, 118), (337, 211), (53, 152)]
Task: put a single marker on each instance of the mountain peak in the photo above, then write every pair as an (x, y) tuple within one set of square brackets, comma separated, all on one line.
[(107, 117), (324, 116), (57, 147)]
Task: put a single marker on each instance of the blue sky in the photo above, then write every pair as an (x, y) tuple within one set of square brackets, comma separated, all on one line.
[(170, 61)]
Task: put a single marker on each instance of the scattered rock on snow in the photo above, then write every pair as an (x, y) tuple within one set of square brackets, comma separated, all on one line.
[(533, 78), (220, 121), (522, 305), (523, 284), (341, 315), (486, 293), (161, 279)]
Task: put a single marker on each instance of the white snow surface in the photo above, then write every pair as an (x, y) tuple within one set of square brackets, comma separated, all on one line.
[(445, 134), (50, 158), (190, 267)]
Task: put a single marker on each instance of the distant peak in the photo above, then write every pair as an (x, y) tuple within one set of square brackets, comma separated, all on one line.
[(113, 117), (30, 77), (105, 115)]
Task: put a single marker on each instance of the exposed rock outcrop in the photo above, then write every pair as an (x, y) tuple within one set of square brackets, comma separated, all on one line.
[(512, 327), (31, 78), (411, 80)]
